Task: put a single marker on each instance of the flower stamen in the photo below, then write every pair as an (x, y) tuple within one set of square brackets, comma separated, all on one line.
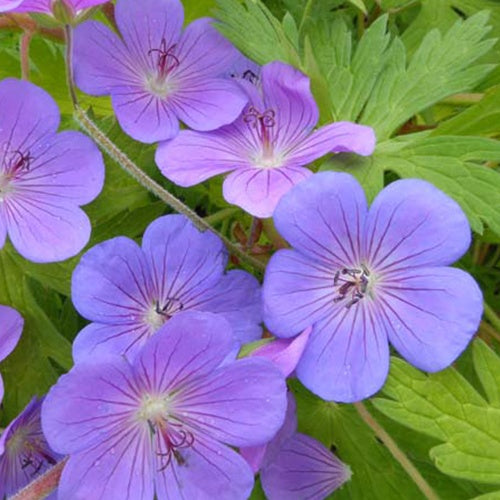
[(262, 122), (166, 60), (351, 283)]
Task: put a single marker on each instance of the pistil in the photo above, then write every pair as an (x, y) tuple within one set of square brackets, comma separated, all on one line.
[(351, 284)]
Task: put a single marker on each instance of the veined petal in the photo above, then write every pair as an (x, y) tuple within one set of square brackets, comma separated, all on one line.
[(42, 231), (11, 326), (324, 218), (102, 62), (184, 262), (209, 470), (430, 314), (69, 171), (42, 6), (237, 296), (303, 468), (120, 466), (3, 229), (412, 223), (258, 190), (189, 346), (143, 115), (207, 103), (145, 24), (100, 339), (340, 137), (287, 91), (193, 157), (347, 356), (85, 4), (94, 403), (297, 292), (241, 404), (111, 284)]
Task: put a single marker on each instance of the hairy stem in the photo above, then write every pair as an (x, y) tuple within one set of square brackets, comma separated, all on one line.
[(396, 452), (68, 33), (43, 485), (492, 316), (25, 54), (151, 185)]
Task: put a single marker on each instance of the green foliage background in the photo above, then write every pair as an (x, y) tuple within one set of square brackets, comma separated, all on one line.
[(425, 75)]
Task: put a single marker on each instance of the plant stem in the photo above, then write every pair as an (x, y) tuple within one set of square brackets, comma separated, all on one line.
[(25, 54), (43, 485), (151, 185), (492, 317), (305, 15), (221, 215), (68, 33), (464, 98), (396, 452)]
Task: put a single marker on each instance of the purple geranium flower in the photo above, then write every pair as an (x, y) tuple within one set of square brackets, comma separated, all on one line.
[(161, 424), (11, 326), (6, 5), (295, 466), (361, 278), (24, 452), (129, 292), (157, 76), (267, 147), (46, 6), (44, 176)]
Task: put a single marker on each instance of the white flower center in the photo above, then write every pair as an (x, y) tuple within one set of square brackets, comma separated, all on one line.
[(153, 408)]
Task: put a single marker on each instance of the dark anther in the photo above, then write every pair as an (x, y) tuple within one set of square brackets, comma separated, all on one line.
[(172, 305), (250, 76), (20, 161), (255, 118), (174, 439), (351, 284), (167, 60)]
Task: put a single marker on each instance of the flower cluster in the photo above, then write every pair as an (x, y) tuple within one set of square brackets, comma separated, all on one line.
[(158, 404)]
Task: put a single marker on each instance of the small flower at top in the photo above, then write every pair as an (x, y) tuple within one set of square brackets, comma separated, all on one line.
[(364, 277), (11, 326), (267, 148), (52, 7), (129, 292), (24, 452), (165, 424), (155, 74), (294, 466), (44, 176)]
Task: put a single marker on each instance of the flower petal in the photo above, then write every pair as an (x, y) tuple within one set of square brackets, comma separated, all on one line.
[(190, 345), (144, 25), (144, 116), (185, 263), (209, 470), (111, 283), (85, 4), (34, 6), (297, 292), (69, 171), (102, 61), (337, 137), (192, 157), (6, 5), (11, 327), (42, 231), (287, 92), (117, 467), (430, 314), (323, 217), (303, 468), (241, 404), (258, 190), (347, 356), (412, 223), (284, 353), (91, 404), (236, 296), (29, 116), (98, 339)]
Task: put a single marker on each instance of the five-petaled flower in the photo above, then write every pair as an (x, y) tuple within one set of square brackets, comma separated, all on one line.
[(11, 326), (361, 278), (267, 147), (165, 423), (129, 292), (157, 76), (44, 176), (24, 452)]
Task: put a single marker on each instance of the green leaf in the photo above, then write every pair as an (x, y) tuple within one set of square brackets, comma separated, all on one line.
[(340, 426), (255, 31), (360, 5), (441, 66), (449, 162), (445, 406)]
